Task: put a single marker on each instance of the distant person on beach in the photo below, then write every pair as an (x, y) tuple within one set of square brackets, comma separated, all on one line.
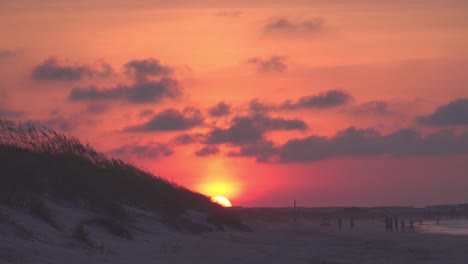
[(411, 225), (403, 225), (396, 223), (340, 223), (351, 223), (390, 224), (438, 219)]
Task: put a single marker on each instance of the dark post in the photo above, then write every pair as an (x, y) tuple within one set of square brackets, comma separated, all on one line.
[(294, 217)]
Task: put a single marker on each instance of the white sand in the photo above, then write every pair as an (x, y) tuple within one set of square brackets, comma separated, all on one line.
[(24, 239)]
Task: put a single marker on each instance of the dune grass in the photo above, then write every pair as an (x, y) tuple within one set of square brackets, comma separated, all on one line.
[(38, 161)]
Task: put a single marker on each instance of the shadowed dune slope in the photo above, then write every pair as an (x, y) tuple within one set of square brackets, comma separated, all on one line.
[(36, 161)]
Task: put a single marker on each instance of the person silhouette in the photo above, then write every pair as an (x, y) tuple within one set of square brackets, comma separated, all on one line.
[(411, 225), (396, 223), (390, 224)]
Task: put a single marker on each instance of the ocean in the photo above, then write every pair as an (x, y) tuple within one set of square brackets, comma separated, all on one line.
[(448, 227)]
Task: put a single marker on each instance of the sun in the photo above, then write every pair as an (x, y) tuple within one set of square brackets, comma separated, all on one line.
[(221, 200)]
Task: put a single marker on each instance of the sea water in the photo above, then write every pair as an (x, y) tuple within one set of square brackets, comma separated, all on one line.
[(448, 227)]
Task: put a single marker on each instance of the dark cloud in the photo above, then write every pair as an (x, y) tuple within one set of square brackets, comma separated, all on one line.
[(207, 151), (354, 142), (221, 109), (186, 139), (170, 120), (251, 129), (231, 13), (329, 99), (262, 151), (455, 113), (272, 64), (285, 25), (242, 131), (142, 69), (277, 123), (324, 100), (52, 70), (373, 107), (137, 93), (151, 150)]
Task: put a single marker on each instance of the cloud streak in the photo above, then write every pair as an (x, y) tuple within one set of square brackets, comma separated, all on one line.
[(284, 25), (170, 120), (270, 65), (325, 100), (207, 151), (137, 93), (52, 70), (328, 99)]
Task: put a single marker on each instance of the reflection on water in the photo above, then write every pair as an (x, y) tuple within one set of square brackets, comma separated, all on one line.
[(452, 227)]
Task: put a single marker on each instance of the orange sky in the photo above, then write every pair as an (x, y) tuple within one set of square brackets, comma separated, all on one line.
[(108, 71)]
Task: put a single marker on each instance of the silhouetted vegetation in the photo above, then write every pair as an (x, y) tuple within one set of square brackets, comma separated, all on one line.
[(41, 161)]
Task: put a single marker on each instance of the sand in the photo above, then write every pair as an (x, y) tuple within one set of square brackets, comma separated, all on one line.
[(25, 239)]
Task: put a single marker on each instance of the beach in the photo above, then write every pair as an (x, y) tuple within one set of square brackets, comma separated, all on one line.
[(27, 240)]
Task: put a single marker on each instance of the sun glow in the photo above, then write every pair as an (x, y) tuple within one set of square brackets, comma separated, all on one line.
[(226, 188), (219, 179), (222, 201)]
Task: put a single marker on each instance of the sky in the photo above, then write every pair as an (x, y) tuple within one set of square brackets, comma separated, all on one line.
[(329, 103)]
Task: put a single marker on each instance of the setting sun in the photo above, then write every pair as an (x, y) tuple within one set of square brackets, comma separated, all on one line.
[(222, 201)]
